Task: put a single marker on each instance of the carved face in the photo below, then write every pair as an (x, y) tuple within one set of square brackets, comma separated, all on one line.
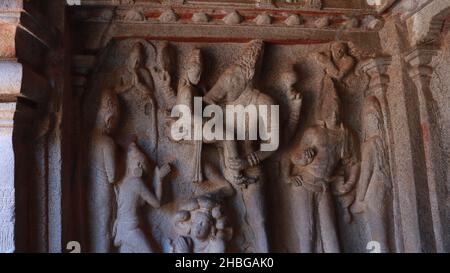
[(371, 124), (135, 57), (111, 121), (289, 79), (234, 83), (136, 162), (194, 70), (201, 225), (229, 87), (339, 50), (194, 73), (332, 115)]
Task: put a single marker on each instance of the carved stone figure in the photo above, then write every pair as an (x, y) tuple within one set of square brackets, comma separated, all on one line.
[(141, 78), (137, 84), (374, 190), (132, 192), (235, 87), (202, 228), (337, 63), (294, 102), (186, 92), (323, 150), (162, 74), (103, 173)]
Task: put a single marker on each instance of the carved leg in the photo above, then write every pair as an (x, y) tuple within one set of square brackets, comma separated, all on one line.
[(213, 174), (100, 221), (136, 242), (255, 215), (230, 150), (303, 201), (327, 223), (378, 219)]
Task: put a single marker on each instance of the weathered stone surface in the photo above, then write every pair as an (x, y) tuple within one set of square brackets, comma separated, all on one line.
[(10, 79)]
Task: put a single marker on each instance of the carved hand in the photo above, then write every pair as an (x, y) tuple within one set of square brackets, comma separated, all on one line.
[(164, 170), (358, 207), (308, 155), (342, 187), (238, 164), (295, 95), (296, 181), (162, 76)]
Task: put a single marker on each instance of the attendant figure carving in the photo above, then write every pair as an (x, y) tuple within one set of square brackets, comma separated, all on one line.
[(132, 193), (103, 173), (323, 150), (243, 158)]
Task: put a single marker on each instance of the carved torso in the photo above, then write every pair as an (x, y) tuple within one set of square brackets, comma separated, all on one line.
[(331, 146), (129, 200)]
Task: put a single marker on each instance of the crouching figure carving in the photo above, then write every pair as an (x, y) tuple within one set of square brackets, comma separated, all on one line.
[(132, 192)]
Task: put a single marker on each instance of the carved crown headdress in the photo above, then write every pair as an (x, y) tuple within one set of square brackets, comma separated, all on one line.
[(330, 100), (248, 62), (134, 155)]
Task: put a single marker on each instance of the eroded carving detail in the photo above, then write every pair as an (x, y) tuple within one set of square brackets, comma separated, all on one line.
[(202, 228), (103, 173), (337, 63)]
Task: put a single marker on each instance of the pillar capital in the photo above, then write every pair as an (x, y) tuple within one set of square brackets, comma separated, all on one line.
[(376, 68)]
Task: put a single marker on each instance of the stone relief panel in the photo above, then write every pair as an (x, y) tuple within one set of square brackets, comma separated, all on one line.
[(214, 195)]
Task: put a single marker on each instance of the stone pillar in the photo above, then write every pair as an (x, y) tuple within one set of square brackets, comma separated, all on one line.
[(10, 84), (25, 213), (7, 192), (420, 72), (405, 166)]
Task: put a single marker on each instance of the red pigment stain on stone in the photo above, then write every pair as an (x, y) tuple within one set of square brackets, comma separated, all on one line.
[(232, 40)]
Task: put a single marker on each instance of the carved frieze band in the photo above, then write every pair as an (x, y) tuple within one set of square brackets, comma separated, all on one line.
[(231, 16)]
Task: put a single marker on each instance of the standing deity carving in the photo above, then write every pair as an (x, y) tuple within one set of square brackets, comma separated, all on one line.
[(103, 173), (242, 158), (132, 193), (323, 150)]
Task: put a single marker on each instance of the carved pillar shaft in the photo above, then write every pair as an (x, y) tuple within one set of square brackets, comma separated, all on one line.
[(10, 83), (7, 190), (420, 71)]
